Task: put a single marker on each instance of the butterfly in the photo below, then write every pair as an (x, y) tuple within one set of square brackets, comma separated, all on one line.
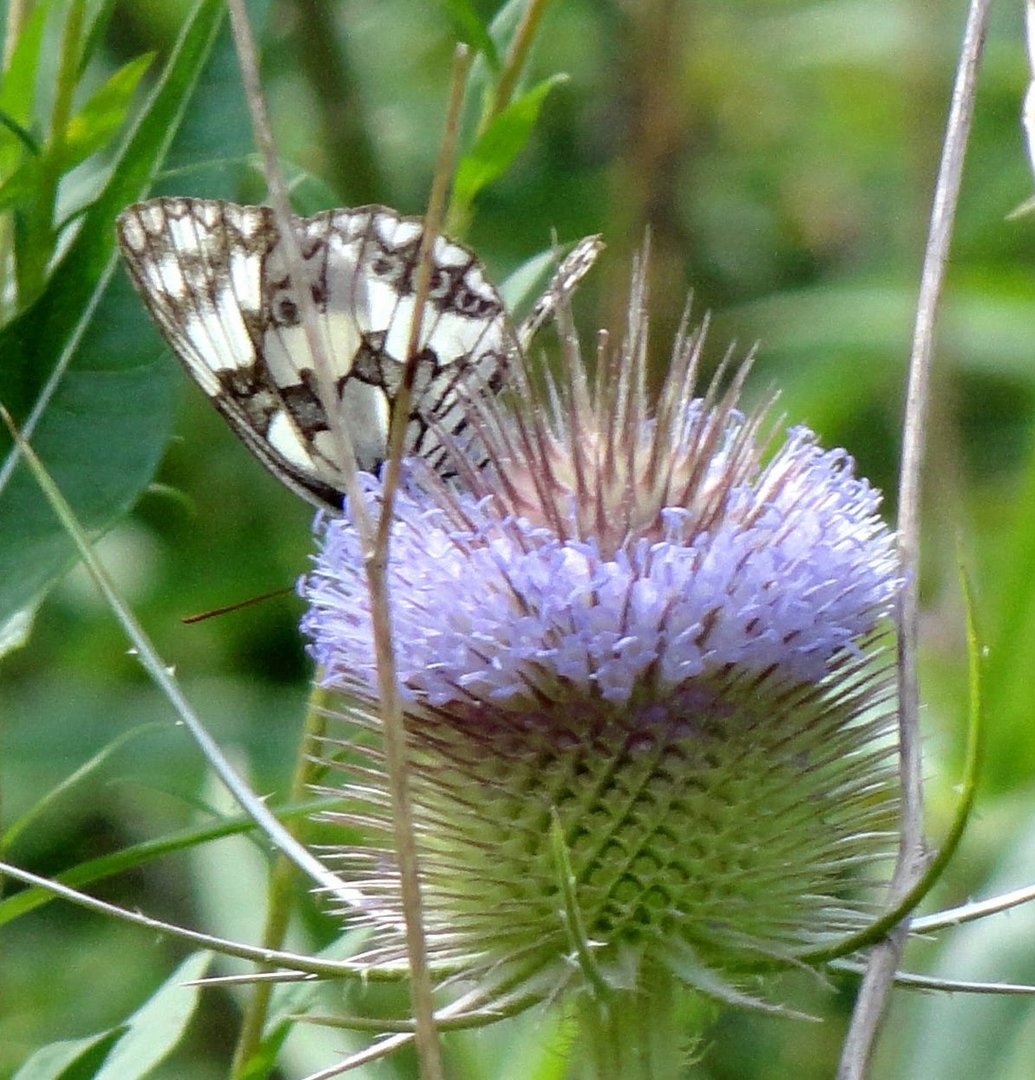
[(215, 278)]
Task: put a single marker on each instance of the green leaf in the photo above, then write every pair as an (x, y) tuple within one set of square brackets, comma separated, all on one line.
[(132, 1049), (99, 423), (68, 784), (524, 283), (28, 141), (501, 142), (98, 14), (214, 150), (158, 1025), (486, 69), (18, 89), (470, 29), (105, 866), (21, 184), (59, 1060), (539, 1047), (262, 1063), (103, 114)]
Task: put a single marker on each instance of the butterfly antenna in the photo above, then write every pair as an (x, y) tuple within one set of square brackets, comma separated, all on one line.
[(213, 613)]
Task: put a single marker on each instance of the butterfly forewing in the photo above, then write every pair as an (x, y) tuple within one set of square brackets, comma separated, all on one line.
[(215, 278)]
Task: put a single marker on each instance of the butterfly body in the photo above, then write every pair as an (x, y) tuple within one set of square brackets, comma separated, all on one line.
[(215, 277)]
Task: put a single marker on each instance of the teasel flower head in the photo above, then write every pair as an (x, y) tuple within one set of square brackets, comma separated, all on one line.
[(647, 683)]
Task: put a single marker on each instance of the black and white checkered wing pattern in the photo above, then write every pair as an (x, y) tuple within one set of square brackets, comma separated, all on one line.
[(215, 278)]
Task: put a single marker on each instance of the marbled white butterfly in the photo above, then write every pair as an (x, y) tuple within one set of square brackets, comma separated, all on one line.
[(214, 277)]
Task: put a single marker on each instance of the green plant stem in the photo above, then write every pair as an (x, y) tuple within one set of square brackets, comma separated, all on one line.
[(631, 1034), (283, 880), (17, 12), (39, 235), (71, 49), (514, 63)]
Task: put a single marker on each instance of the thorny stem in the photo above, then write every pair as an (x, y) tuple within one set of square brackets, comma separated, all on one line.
[(391, 712), (877, 983), (294, 962)]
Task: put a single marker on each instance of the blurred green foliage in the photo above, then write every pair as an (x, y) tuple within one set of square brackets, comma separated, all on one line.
[(782, 154)]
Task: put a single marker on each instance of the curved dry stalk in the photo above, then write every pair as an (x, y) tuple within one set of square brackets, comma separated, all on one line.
[(879, 979), (974, 910), (395, 738)]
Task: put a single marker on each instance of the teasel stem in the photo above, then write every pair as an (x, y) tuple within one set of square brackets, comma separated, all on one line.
[(871, 1003)]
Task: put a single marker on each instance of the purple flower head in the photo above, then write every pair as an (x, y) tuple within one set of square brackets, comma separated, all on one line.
[(654, 627), (501, 609)]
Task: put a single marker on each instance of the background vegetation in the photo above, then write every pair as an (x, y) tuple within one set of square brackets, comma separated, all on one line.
[(782, 154)]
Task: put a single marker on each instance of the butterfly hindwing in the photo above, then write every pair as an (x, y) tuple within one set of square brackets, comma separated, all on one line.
[(216, 279)]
